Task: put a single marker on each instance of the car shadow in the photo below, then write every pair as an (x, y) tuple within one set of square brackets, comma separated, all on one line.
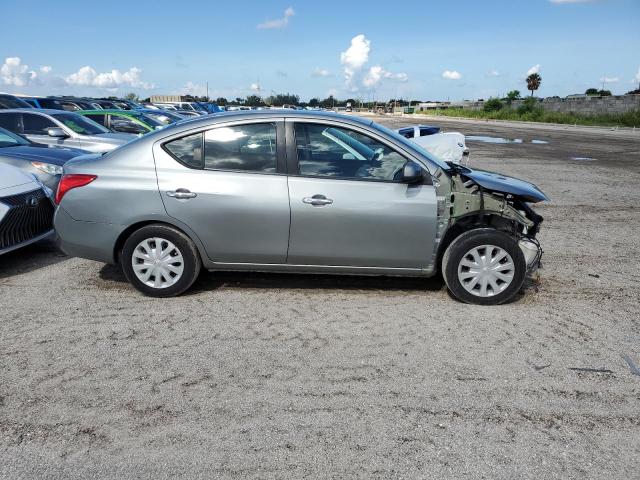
[(208, 281), (32, 257)]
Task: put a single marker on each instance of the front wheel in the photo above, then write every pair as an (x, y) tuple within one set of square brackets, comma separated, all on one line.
[(160, 261), (484, 267)]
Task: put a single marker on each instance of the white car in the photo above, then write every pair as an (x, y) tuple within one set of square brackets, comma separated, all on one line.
[(26, 209), (449, 146)]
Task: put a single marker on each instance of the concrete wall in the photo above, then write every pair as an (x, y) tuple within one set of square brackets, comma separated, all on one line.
[(581, 105)]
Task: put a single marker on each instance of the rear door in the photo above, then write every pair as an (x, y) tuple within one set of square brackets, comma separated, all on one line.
[(348, 206), (228, 184)]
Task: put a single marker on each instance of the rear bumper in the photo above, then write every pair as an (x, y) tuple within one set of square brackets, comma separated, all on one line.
[(91, 240)]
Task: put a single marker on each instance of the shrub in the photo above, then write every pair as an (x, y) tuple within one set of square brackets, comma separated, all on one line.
[(529, 104), (492, 105)]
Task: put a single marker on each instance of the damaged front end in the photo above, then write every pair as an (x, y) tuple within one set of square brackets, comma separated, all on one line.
[(470, 198)]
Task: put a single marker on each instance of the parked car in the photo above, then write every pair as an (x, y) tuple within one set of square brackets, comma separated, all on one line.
[(188, 113), (11, 101), (449, 146), (196, 107), (63, 129), (163, 116), (125, 121), (33, 158), (226, 192), (26, 209)]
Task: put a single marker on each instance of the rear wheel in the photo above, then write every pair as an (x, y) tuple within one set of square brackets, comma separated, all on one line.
[(160, 261), (484, 266)]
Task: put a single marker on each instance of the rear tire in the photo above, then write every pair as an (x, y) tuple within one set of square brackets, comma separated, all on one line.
[(160, 261), (484, 266)]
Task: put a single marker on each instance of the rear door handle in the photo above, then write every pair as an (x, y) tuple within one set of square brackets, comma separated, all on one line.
[(317, 200), (182, 194)]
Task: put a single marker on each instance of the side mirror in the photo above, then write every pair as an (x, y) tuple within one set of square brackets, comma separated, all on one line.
[(56, 132), (412, 173)]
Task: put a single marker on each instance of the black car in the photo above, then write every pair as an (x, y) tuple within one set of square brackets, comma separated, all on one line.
[(9, 101)]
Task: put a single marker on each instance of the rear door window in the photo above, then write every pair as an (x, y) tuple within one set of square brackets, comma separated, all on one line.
[(98, 118), (36, 124)]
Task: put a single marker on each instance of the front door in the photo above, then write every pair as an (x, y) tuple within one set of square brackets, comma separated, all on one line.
[(348, 206), (227, 185)]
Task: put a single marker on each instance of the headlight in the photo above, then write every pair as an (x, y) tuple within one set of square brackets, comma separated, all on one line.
[(48, 168)]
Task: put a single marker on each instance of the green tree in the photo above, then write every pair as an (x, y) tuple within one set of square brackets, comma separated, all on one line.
[(604, 93), (512, 95), (533, 82), (221, 101), (591, 91), (132, 96), (328, 102), (314, 102), (253, 101), (528, 106)]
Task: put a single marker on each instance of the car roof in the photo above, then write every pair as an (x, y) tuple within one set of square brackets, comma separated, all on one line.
[(110, 110), (283, 113), (45, 111)]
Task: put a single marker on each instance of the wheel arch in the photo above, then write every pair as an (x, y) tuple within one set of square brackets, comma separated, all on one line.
[(127, 232), (469, 222)]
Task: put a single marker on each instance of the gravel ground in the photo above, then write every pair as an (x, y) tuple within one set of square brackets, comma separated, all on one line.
[(291, 376)]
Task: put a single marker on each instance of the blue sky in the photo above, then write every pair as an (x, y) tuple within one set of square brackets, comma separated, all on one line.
[(424, 49)]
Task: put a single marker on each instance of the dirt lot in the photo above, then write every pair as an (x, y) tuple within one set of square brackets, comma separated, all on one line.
[(269, 376)]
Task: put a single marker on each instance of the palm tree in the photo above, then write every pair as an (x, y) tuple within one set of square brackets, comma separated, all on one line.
[(533, 82)]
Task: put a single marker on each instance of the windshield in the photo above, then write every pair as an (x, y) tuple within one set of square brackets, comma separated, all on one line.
[(80, 124), (148, 119), (9, 139), (409, 145), (164, 118)]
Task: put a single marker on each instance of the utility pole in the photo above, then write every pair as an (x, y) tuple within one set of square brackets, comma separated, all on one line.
[(207, 91)]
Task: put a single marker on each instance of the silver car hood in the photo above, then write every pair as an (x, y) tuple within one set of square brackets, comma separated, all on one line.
[(12, 177)]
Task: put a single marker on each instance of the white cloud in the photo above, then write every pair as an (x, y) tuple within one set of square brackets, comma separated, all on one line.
[(280, 22), (14, 72), (609, 79), (377, 73), (195, 89), (88, 77), (493, 73), (45, 69), (560, 2), (354, 57), (321, 72), (535, 69), (451, 75)]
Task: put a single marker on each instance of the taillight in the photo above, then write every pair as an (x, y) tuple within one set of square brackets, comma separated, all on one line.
[(72, 180)]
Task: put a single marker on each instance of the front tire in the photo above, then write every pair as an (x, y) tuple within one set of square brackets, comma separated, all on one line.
[(484, 266), (160, 261)]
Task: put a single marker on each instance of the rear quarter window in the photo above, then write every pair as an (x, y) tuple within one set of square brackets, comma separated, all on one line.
[(186, 150)]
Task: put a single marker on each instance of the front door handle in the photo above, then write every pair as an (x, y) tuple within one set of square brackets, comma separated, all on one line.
[(182, 194), (317, 200)]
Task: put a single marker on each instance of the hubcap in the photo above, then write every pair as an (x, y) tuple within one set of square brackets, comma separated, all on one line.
[(486, 270), (157, 262)]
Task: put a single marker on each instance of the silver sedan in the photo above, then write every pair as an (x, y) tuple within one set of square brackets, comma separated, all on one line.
[(295, 191), (60, 128)]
